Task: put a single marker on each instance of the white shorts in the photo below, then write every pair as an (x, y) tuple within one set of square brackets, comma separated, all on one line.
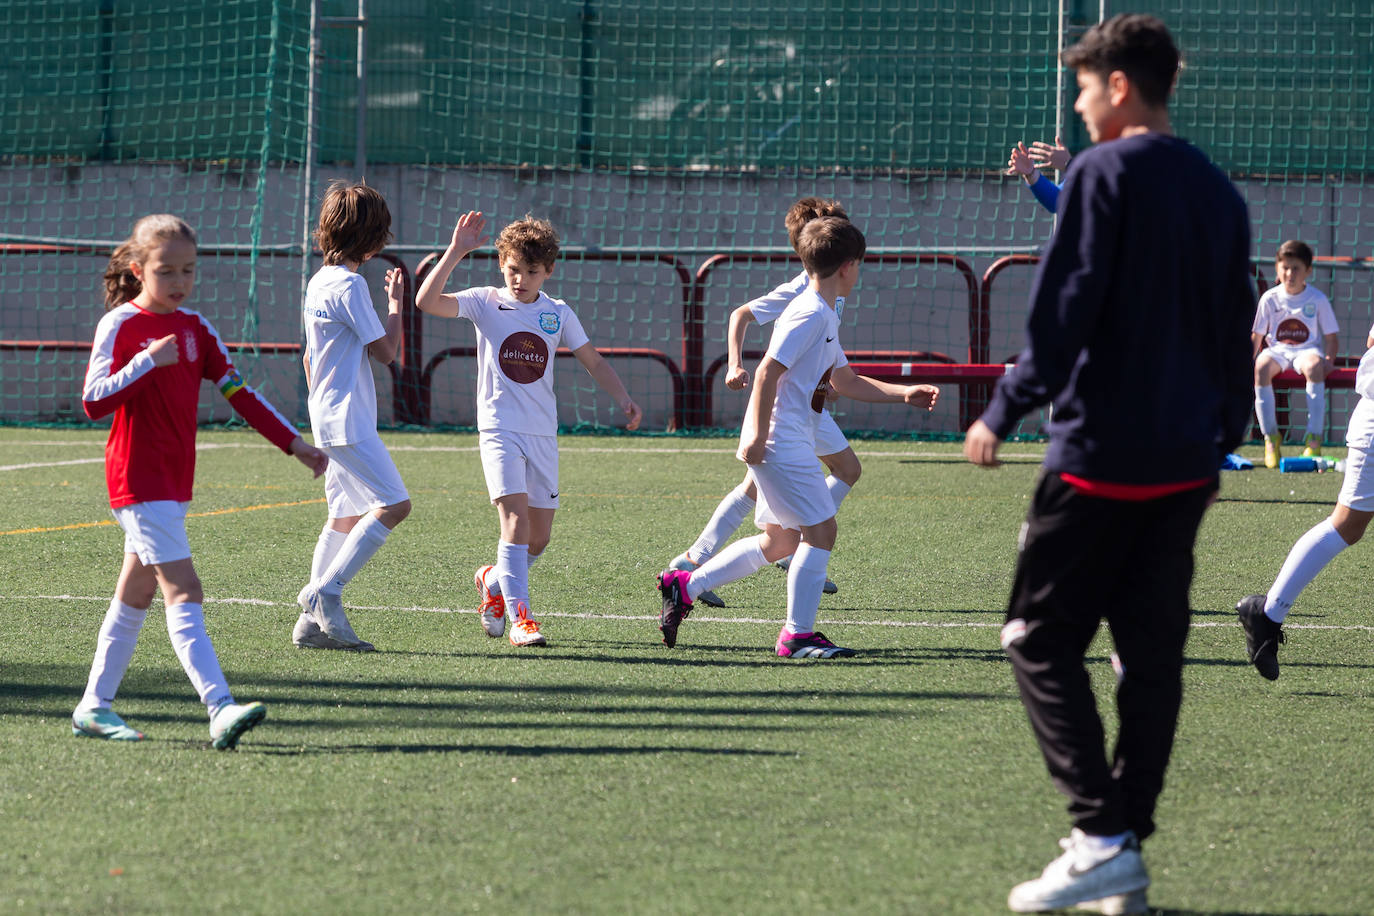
[(155, 530), (792, 493), (829, 439), (1357, 491), (520, 463), (361, 477), (1285, 355)]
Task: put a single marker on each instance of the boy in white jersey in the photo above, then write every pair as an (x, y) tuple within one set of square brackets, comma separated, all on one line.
[(777, 442), (1300, 327), (1262, 616), (362, 487), (519, 329), (831, 446)]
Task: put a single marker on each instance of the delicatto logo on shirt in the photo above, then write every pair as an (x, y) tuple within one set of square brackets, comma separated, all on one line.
[(1291, 331), (548, 322), (523, 357)]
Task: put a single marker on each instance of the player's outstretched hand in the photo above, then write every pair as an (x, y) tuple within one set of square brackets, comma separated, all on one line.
[(309, 455), (1047, 156), (1020, 162), (632, 413), (467, 235), (981, 444), (922, 396), (737, 379), (395, 290), (165, 351)]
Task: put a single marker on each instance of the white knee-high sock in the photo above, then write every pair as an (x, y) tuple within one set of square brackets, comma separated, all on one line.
[(740, 559), (725, 521), (327, 547), (1264, 409), (186, 627), (513, 572), (838, 490), (805, 579), (362, 543), (114, 647), (1316, 408), (1308, 557)]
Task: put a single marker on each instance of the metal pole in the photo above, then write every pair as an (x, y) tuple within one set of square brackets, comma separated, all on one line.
[(360, 125), (308, 167)]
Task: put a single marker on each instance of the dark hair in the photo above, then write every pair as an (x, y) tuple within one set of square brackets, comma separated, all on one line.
[(354, 223), (1295, 249), (531, 239), (807, 209), (120, 283), (828, 243), (1139, 46)]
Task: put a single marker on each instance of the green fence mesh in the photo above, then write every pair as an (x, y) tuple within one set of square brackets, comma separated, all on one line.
[(663, 139)]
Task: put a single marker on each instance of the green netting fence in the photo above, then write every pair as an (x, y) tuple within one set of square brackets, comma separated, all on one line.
[(665, 140)]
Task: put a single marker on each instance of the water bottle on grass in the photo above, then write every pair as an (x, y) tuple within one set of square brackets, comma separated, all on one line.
[(1306, 464)]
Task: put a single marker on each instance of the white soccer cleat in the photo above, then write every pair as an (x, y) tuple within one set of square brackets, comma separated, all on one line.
[(230, 722), (524, 632), (308, 635), (493, 609), (1076, 877), (329, 616)]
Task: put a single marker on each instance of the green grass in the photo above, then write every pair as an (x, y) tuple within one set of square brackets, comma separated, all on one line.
[(449, 772)]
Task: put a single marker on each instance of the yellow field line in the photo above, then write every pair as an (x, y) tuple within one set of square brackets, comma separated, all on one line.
[(101, 524)]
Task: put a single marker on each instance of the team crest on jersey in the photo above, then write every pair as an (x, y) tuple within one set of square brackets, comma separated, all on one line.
[(548, 322), (188, 346), (1310, 310), (523, 357)]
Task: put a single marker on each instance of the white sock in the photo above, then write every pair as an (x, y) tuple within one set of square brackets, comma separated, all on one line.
[(838, 490), (534, 558), (805, 579), (114, 647), (725, 521), (513, 572), (1316, 408), (1308, 557), (740, 559), (366, 538), (1264, 409), (326, 549), (186, 627)]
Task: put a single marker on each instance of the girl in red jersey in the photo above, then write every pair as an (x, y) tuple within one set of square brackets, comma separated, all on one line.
[(147, 362)]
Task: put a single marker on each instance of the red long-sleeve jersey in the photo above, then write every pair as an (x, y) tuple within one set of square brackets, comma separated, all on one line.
[(151, 452)]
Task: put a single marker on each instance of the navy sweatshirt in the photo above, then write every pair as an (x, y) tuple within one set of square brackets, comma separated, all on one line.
[(1139, 328)]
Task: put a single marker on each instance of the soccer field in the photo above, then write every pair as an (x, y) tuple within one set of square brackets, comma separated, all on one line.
[(449, 772)]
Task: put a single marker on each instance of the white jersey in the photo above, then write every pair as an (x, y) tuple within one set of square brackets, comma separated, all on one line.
[(1359, 433), (340, 321), (806, 340), (1294, 321), (769, 306), (516, 343)]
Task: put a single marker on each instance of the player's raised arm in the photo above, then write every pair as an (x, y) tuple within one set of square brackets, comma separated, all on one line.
[(467, 237)]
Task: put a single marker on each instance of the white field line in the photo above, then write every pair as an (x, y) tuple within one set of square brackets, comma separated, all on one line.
[(901, 624)]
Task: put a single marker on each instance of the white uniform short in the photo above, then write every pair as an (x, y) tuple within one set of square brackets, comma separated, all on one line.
[(155, 530), (792, 492), (1357, 491), (520, 463), (1285, 355), (361, 477), (829, 439)]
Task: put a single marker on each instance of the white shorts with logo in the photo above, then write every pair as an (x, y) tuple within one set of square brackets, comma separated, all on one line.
[(792, 491), (829, 439), (155, 530), (1286, 355), (361, 477), (520, 463)]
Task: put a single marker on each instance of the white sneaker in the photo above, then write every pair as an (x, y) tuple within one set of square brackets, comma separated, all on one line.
[(493, 609), (230, 722), (329, 616), (682, 562), (1077, 877), (308, 635), (1131, 904), (524, 631)]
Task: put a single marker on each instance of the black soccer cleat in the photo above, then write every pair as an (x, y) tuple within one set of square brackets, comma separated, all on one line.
[(1262, 636), (672, 583)]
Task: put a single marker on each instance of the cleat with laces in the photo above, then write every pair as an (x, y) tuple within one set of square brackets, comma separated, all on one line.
[(308, 635), (102, 723), (809, 645), (672, 585), (1262, 636), (1312, 446), (493, 607), (708, 598), (328, 612), (231, 720), (1272, 452), (1103, 882), (524, 631)]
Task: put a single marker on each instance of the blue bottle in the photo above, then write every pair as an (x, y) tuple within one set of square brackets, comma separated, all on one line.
[(1299, 463)]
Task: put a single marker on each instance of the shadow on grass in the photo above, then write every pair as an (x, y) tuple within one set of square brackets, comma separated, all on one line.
[(1161, 911), (1275, 502), (509, 750)]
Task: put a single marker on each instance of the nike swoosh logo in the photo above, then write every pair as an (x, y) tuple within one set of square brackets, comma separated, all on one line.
[(507, 308), (829, 339), (553, 496)]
